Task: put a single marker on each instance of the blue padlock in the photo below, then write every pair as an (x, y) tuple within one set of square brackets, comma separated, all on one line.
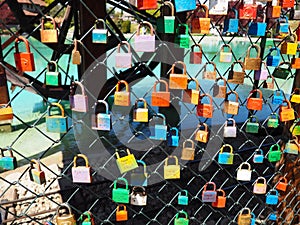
[(226, 157), (258, 156), (56, 123), (272, 197), (232, 25), (183, 198), (278, 97), (253, 218), (99, 35), (273, 60), (258, 28), (7, 162), (273, 216), (282, 24), (173, 137), (160, 130), (185, 5)]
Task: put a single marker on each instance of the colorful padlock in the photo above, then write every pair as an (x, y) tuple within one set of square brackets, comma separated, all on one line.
[(146, 4), (244, 217), (6, 112), (182, 37), (252, 126), (144, 42), (178, 81), (76, 57), (127, 162), (290, 47), (101, 120), (191, 95), (253, 63), (258, 156), (209, 75), (286, 113), (260, 186), (292, 146), (231, 107), (248, 11), (173, 137), (295, 97), (196, 57), (183, 197), (282, 25), (121, 213), (140, 114), (274, 153), (188, 153), (138, 196), (219, 91), (52, 75), (181, 220), (255, 103), (205, 109), (295, 128), (171, 171), (24, 60), (56, 123), (166, 24), (81, 174), (48, 35), (138, 178), (236, 77), (226, 56), (273, 11), (272, 197), (244, 172), (202, 135), (211, 194), (258, 28), (184, 5), (273, 60), (273, 121), (269, 85), (221, 199), (160, 98), (99, 35), (87, 218), (201, 25), (123, 59), (160, 130), (35, 173), (261, 74), (79, 101), (7, 162), (226, 157), (120, 195), (232, 24), (65, 217), (230, 131), (122, 98), (282, 184)]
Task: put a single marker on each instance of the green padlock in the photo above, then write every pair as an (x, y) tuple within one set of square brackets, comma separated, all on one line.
[(53, 78), (274, 155), (252, 127), (86, 218), (181, 220), (120, 195), (273, 121), (182, 38), (166, 24), (295, 128)]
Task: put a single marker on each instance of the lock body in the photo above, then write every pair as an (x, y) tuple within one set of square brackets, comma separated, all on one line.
[(225, 158), (188, 153), (80, 103), (38, 176), (57, 124), (172, 171), (252, 127), (144, 43), (231, 107), (138, 179), (99, 36), (24, 61), (81, 174), (146, 4), (231, 25), (8, 163), (166, 24), (272, 198), (66, 219), (257, 29), (53, 78), (6, 112), (123, 59), (196, 57), (120, 195)]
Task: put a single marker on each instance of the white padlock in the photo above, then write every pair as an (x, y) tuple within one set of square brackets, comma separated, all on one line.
[(244, 172)]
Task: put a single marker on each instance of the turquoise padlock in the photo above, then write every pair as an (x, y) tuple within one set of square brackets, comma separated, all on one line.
[(160, 130), (282, 24), (56, 123), (99, 35), (273, 121), (120, 195), (7, 162), (273, 60), (86, 218), (166, 24), (272, 197), (173, 137), (232, 25), (226, 157), (274, 155), (252, 127), (182, 38), (181, 220), (52, 77), (272, 216), (258, 28), (278, 97), (185, 5), (253, 218), (258, 156), (183, 198)]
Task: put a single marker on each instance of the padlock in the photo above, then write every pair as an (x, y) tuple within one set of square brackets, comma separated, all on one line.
[(123, 59), (140, 114), (99, 35), (121, 213), (219, 91), (295, 97), (273, 11), (86, 218), (7, 162), (211, 194), (120, 195), (258, 28), (35, 173), (65, 218), (80, 101), (272, 197), (231, 107), (273, 154), (226, 157), (210, 75), (248, 11), (290, 47), (101, 121), (269, 85), (56, 123), (230, 131), (244, 174), (139, 178), (282, 25), (273, 121), (173, 137), (295, 63), (253, 63), (122, 98), (218, 7), (232, 24), (202, 135), (160, 130), (160, 98), (253, 219), (48, 35), (205, 109), (278, 97), (138, 196), (191, 95), (183, 197), (166, 24), (255, 103), (126, 162), (295, 128), (188, 153), (184, 5), (292, 146), (225, 56), (252, 126), (144, 42), (295, 12), (182, 37), (52, 76), (221, 199), (287, 3), (178, 81), (282, 184), (76, 57), (236, 77), (24, 60), (244, 217), (272, 217), (181, 220), (258, 156), (146, 4), (201, 25), (260, 186), (286, 113), (6, 112), (196, 57), (81, 174), (273, 60), (171, 171), (261, 74)]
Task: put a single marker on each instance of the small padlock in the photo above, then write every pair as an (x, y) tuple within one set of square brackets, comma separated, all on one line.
[(260, 186), (272, 197), (120, 195), (7, 162), (261, 74), (230, 131), (35, 173), (282, 25), (290, 47), (122, 98), (139, 178), (226, 56), (187, 5), (226, 157), (87, 218), (99, 35), (252, 127), (244, 217), (209, 195), (253, 63), (144, 42), (191, 95), (79, 101), (287, 3), (178, 81), (292, 146), (202, 135), (140, 114), (295, 62), (181, 220), (146, 4), (56, 123), (66, 217), (6, 112), (274, 155), (52, 76), (171, 171), (138, 196), (258, 28), (218, 7), (24, 60), (273, 11), (101, 121), (166, 24), (209, 75), (269, 85), (160, 98), (282, 184), (286, 113), (248, 11), (121, 213), (221, 199), (272, 217), (205, 109), (232, 24), (123, 59), (258, 156), (76, 57), (253, 219), (196, 57), (244, 174), (48, 35), (219, 91), (188, 153), (183, 197), (236, 77), (231, 107), (182, 37), (295, 128), (199, 24), (273, 121), (255, 103), (160, 130), (126, 162), (81, 174), (173, 137), (295, 12), (273, 60), (295, 97)]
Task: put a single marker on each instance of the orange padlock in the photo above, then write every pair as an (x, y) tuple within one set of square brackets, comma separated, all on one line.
[(282, 184), (24, 60), (121, 213), (205, 110), (273, 11), (286, 113), (295, 63), (191, 95), (160, 98), (221, 199), (287, 3), (202, 135), (201, 25), (255, 103), (178, 81)]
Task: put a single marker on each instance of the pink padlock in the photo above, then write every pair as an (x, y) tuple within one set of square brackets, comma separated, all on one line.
[(81, 174), (123, 59), (79, 101), (144, 42), (261, 74)]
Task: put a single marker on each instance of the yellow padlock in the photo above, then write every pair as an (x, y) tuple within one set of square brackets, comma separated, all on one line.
[(140, 114), (172, 171), (290, 47), (295, 96)]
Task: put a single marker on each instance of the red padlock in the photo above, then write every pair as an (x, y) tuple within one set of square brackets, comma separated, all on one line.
[(24, 60), (248, 11), (282, 184), (196, 57), (287, 3), (255, 103), (221, 199), (205, 110)]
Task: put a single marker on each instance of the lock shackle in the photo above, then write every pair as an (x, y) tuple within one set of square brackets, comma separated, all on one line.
[(45, 18), (145, 23), (161, 116), (283, 19), (223, 194), (272, 82), (53, 63), (161, 81), (138, 189), (251, 117), (183, 193), (265, 65), (9, 150), (179, 62), (226, 46), (171, 156), (122, 150), (120, 179), (230, 119), (75, 42), (232, 92), (253, 91), (288, 103), (247, 210), (272, 191), (274, 115), (37, 162), (102, 102), (257, 48), (174, 129), (196, 45), (212, 63), (258, 152), (275, 49), (182, 212), (143, 164), (221, 78), (122, 82), (170, 5), (226, 146), (236, 13), (190, 141), (245, 164), (185, 27), (81, 156), (97, 21), (119, 208), (196, 81), (87, 214), (55, 104), (64, 206), (123, 43), (205, 9), (206, 95), (140, 100), (260, 180), (210, 183), (283, 179), (275, 145), (238, 62), (81, 87), (202, 125), (22, 39)]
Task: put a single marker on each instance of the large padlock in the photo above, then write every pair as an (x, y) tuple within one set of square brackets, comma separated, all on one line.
[(273, 121), (196, 57), (263, 73), (7, 162), (226, 157), (188, 153), (282, 184), (87, 218), (178, 81), (292, 146), (221, 199), (126, 162), (244, 174), (121, 213), (209, 195), (286, 113), (295, 62), (160, 130), (258, 28), (225, 56), (260, 186), (295, 97), (282, 72), (219, 91), (140, 114), (48, 35), (123, 59), (122, 98), (6, 112), (202, 135), (101, 120), (287, 3), (231, 107), (81, 174), (35, 173), (183, 197), (173, 137), (146, 4), (191, 95), (52, 75), (171, 171), (76, 57), (138, 178), (120, 195), (252, 126), (232, 24), (253, 63), (236, 77), (272, 197), (166, 24), (278, 97), (205, 109), (255, 103), (290, 47), (79, 101), (248, 11), (269, 85), (282, 25), (138, 196), (230, 131), (184, 5), (244, 217), (295, 128), (56, 123), (99, 35), (182, 38), (273, 60), (66, 217), (258, 156), (273, 11), (160, 98), (144, 42), (274, 155), (181, 220), (210, 75), (24, 60)]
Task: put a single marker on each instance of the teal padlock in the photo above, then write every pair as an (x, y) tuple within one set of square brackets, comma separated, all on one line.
[(181, 220), (160, 130), (182, 38), (52, 76), (282, 24), (99, 35), (252, 127), (173, 137), (120, 195), (278, 97), (7, 162), (274, 155), (185, 5), (258, 28), (166, 24), (295, 128), (86, 218), (183, 198), (273, 121), (56, 123)]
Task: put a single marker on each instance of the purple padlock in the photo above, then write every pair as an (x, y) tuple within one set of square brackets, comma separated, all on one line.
[(79, 101), (209, 195), (261, 74), (144, 42)]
